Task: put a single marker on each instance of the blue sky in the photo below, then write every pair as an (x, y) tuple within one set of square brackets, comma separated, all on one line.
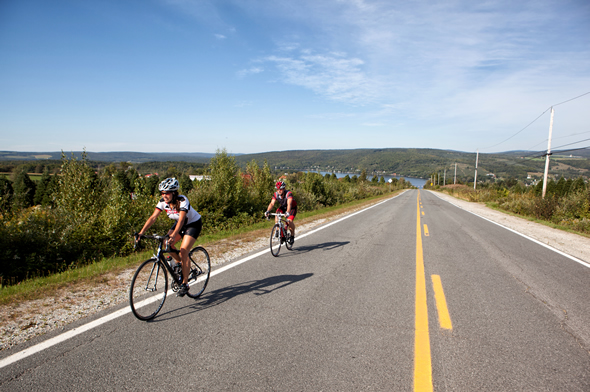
[(269, 75)]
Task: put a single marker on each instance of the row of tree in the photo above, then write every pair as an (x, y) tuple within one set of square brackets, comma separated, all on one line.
[(82, 215)]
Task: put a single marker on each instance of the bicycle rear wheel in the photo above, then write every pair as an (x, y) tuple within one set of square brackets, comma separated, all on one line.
[(288, 244), (148, 289), (200, 269), (275, 240)]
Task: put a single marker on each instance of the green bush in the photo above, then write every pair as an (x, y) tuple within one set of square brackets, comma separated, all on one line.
[(566, 203), (82, 215)]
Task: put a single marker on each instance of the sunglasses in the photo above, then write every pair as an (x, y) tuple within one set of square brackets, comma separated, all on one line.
[(165, 193)]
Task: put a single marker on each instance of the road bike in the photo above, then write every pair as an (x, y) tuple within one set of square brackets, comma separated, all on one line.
[(149, 285), (280, 233)]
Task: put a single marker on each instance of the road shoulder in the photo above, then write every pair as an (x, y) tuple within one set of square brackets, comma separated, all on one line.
[(572, 244)]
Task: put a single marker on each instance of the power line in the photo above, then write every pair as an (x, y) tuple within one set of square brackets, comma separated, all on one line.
[(580, 96), (585, 140), (518, 131), (561, 137), (561, 103), (531, 157)]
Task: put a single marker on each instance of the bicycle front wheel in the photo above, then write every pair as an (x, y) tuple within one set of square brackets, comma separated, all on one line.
[(275, 240), (200, 269), (148, 289)]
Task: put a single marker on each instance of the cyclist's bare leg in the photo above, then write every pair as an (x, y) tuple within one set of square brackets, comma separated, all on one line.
[(185, 247), (291, 226), (175, 256)]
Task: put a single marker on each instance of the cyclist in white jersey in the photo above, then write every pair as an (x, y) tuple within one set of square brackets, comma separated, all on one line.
[(177, 208)]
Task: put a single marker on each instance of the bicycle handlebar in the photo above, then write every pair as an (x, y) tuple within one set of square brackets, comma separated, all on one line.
[(160, 238), (277, 214)]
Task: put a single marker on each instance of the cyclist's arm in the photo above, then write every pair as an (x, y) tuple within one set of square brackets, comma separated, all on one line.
[(151, 220), (177, 228), (271, 205), (289, 200)]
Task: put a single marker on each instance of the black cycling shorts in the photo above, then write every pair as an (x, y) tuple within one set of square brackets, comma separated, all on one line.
[(191, 229)]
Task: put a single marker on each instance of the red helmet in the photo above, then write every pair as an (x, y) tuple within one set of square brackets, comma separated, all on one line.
[(280, 185)]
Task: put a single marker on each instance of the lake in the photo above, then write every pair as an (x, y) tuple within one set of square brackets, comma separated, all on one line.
[(417, 182)]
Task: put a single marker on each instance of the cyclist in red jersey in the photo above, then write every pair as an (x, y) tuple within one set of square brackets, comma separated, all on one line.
[(287, 205)]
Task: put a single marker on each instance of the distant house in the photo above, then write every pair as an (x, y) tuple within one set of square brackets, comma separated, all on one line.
[(150, 175), (200, 178)]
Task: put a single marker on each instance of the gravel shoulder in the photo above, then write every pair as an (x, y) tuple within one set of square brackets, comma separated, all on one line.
[(25, 320), (573, 244), (22, 321)]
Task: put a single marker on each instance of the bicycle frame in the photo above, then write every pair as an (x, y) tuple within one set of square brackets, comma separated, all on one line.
[(160, 256), (282, 221), (280, 229)]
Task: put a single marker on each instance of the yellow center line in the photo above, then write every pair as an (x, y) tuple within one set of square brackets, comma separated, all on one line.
[(422, 359), (426, 230), (444, 318)]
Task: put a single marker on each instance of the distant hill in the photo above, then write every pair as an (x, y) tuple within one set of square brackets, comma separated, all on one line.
[(422, 163), (118, 156), (408, 162)]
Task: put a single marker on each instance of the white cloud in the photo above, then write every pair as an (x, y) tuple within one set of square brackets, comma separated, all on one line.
[(333, 75), (250, 71), (220, 36)]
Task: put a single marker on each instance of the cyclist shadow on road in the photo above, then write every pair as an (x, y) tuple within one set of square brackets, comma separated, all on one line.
[(219, 296), (322, 246)]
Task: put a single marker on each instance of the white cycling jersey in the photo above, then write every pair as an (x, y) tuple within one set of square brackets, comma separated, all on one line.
[(191, 214)]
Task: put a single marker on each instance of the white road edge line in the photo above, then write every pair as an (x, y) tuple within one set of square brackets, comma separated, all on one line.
[(582, 262), (93, 324)]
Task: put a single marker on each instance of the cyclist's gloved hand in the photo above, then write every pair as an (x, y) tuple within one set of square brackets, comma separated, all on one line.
[(266, 213)]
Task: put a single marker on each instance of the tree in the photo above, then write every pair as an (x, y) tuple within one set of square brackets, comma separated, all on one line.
[(226, 182), (6, 195), (24, 191), (578, 185), (151, 185), (42, 187), (124, 181), (560, 189), (172, 172), (363, 176), (185, 183), (262, 182)]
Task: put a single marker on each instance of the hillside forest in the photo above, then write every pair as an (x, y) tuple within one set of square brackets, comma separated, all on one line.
[(77, 211)]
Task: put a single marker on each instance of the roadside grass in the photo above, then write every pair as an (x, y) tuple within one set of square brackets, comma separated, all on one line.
[(100, 271), (494, 206)]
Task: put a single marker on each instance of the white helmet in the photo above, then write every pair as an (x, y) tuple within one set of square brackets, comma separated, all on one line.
[(168, 185)]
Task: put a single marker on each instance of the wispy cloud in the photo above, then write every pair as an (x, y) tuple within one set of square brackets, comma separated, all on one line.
[(333, 75), (220, 36), (421, 51), (250, 71)]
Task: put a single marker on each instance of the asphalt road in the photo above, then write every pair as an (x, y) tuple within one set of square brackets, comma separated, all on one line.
[(339, 313)]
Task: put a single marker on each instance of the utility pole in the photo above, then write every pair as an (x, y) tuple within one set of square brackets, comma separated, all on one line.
[(476, 161), (455, 180), (548, 154), (445, 178)]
